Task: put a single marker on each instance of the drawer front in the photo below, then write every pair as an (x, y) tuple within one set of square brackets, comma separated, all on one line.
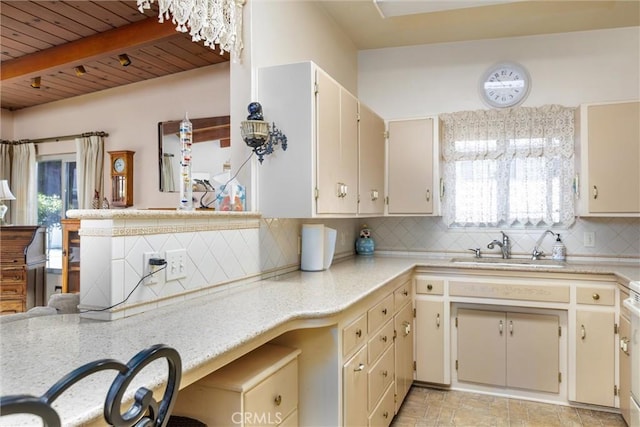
[(401, 295), (275, 397), (383, 414), (12, 275), (9, 306), (11, 290), (596, 295), (380, 376), (379, 342), (425, 285), (540, 292), (354, 335), (380, 313)]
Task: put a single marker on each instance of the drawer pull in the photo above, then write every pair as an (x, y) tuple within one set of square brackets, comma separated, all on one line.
[(405, 292), (385, 373), (510, 327), (624, 345), (500, 327), (386, 414), (278, 400), (438, 320), (595, 296), (384, 311), (583, 332), (359, 333), (359, 368), (384, 338), (595, 192), (429, 286)]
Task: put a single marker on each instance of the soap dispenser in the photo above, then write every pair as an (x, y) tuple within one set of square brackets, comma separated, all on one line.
[(559, 250)]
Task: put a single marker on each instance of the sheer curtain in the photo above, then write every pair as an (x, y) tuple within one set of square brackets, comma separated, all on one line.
[(90, 169), (511, 167), (23, 185)]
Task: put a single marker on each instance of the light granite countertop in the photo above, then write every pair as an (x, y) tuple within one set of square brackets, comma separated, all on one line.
[(36, 352)]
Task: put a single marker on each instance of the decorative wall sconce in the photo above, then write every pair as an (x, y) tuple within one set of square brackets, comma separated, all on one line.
[(35, 82), (79, 70), (124, 59), (5, 194), (257, 134)]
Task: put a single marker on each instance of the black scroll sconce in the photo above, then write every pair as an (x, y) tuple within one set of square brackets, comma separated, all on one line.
[(258, 135)]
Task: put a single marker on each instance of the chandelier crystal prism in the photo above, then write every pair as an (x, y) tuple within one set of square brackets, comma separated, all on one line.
[(215, 22)]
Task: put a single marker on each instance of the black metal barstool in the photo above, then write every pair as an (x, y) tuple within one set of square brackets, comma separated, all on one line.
[(145, 411)]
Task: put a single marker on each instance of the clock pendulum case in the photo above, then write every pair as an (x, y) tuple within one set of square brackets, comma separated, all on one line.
[(121, 178)]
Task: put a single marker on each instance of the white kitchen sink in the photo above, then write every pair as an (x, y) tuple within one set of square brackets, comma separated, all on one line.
[(511, 262)]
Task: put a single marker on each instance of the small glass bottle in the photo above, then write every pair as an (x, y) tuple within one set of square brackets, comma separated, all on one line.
[(186, 186)]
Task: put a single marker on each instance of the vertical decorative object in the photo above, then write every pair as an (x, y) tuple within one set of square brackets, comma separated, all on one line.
[(365, 244), (186, 186)]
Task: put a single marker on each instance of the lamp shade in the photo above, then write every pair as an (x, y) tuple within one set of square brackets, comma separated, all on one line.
[(5, 192)]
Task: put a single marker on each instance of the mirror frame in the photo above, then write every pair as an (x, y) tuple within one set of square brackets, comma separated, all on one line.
[(204, 129)]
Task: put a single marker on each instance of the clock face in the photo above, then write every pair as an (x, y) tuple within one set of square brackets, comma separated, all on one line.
[(118, 165), (504, 85)]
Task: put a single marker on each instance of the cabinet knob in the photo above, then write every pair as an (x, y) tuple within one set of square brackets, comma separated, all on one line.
[(278, 400), (430, 286), (384, 338), (384, 311), (385, 373), (405, 292), (359, 333), (359, 368), (595, 296), (386, 414)]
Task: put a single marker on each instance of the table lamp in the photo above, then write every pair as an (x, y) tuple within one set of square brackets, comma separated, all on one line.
[(5, 194)]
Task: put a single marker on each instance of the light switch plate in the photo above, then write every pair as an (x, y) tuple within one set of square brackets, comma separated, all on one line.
[(589, 239), (176, 264)]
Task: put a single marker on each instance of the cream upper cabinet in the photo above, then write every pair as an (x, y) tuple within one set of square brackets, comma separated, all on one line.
[(317, 176), (370, 162), (610, 159), (411, 166)]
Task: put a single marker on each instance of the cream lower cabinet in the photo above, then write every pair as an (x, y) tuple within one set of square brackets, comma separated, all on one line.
[(516, 350), (258, 389), (594, 346), (624, 390), (378, 370), (432, 330)]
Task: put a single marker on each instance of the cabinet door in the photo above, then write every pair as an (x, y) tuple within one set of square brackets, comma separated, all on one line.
[(614, 145), (595, 366), (354, 376), (624, 390), (430, 342), (410, 180), (371, 162), (337, 147), (533, 351), (481, 347), (404, 353)]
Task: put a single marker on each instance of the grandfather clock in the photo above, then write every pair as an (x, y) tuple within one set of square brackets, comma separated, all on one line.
[(121, 178)]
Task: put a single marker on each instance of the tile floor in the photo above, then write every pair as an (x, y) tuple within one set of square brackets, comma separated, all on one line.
[(430, 407)]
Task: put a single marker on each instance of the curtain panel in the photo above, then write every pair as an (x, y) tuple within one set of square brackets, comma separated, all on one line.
[(512, 167), (90, 170)]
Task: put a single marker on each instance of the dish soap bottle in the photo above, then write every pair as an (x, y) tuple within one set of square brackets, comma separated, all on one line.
[(559, 250)]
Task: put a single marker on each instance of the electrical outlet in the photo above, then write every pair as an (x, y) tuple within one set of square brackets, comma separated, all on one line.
[(176, 264), (589, 239), (148, 268)]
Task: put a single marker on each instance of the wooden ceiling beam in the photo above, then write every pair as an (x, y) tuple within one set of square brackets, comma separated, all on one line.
[(86, 49)]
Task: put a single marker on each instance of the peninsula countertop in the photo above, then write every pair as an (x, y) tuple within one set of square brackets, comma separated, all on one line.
[(38, 351)]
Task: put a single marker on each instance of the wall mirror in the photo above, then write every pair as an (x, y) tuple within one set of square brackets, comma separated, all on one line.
[(210, 151)]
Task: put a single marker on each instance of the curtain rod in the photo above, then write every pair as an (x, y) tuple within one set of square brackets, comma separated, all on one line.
[(55, 138)]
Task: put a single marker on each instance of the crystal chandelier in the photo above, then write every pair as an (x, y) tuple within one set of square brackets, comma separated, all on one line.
[(215, 22)]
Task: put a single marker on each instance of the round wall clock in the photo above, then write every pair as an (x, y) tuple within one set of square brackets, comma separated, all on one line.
[(505, 85)]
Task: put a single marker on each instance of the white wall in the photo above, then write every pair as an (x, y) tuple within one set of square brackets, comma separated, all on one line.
[(567, 69), (6, 124), (130, 115)]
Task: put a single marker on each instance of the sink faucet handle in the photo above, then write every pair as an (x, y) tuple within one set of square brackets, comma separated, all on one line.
[(476, 251)]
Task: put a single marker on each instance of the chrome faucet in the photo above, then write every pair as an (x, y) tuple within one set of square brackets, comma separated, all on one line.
[(505, 245), (537, 252)]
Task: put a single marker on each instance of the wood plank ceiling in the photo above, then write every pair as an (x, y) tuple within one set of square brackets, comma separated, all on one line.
[(48, 39)]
